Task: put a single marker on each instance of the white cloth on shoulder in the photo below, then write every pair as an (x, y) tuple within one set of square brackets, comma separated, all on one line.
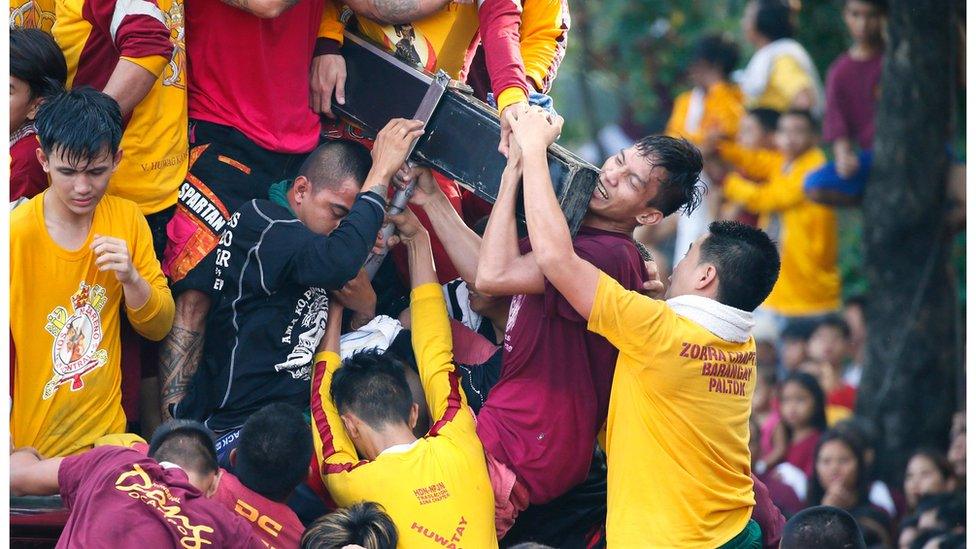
[(755, 77), (378, 334), (726, 322)]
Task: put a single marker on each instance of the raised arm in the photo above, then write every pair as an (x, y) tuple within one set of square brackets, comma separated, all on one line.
[(778, 194), (502, 269), (144, 46), (328, 71), (334, 451), (575, 278)]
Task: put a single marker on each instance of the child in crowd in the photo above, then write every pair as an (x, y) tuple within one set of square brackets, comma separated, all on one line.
[(829, 346), (841, 480), (37, 70), (793, 346), (757, 131), (817, 369), (361, 525), (853, 89), (803, 420), (928, 472), (879, 494), (771, 185)]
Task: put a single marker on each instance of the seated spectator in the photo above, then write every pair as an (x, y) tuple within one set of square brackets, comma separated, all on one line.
[(853, 81), (928, 472), (822, 526), (803, 421), (666, 485), (363, 525), (841, 479), (37, 70), (771, 185), (780, 75), (119, 497), (274, 266), (270, 460), (363, 415), (67, 378), (829, 346), (880, 494)]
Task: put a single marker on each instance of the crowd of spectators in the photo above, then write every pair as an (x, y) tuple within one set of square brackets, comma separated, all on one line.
[(196, 346)]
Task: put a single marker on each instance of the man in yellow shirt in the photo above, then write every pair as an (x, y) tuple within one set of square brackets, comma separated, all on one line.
[(771, 185), (75, 257), (678, 425), (436, 488)]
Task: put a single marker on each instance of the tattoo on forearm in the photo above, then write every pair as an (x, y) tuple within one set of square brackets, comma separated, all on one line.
[(179, 357), (397, 11)]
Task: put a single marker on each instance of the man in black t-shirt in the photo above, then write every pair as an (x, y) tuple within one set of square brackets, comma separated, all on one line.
[(275, 265)]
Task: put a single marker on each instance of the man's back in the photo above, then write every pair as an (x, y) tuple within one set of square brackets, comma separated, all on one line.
[(273, 522), (678, 432), (118, 497), (547, 438)]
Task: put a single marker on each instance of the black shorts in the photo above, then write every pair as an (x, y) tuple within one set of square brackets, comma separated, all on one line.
[(226, 170)]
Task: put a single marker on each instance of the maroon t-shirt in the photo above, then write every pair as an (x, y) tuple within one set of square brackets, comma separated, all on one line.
[(801, 452), (853, 89), (117, 493), (542, 417), (27, 177), (274, 523)]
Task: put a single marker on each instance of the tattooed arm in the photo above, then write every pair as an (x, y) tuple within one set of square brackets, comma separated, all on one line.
[(265, 9), (395, 12), (182, 350)]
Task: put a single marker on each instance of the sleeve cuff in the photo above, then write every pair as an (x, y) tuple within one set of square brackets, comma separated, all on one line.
[(602, 286), (328, 357), (427, 291), (149, 309), (509, 96), (326, 46), (376, 200), (153, 63)]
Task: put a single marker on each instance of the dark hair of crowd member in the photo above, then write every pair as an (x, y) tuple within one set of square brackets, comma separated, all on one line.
[(186, 443), (36, 59), (806, 115), (683, 162), (719, 51), (822, 526), (746, 260), (80, 125), (937, 458), (767, 118), (773, 19), (364, 524), (372, 385), (881, 5), (816, 490), (276, 438), (836, 322), (812, 386), (333, 162)]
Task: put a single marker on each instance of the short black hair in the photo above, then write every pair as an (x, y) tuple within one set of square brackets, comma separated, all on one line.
[(767, 118), (36, 59), (717, 50), (797, 328), (746, 260), (365, 524), (812, 386), (882, 5), (372, 385), (937, 457), (336, 161), (804, 114), (822, 526), (683, 161), (836, 322), (774, 19), (816, 490), (277, 439), (79, 124), (186, 443)]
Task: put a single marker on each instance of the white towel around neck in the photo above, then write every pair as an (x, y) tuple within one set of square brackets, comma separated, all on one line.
[(755, 77), (725, 322)]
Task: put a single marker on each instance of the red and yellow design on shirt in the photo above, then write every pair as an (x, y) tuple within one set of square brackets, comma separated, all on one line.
[(94, 35), (436, 489), (64, 323)]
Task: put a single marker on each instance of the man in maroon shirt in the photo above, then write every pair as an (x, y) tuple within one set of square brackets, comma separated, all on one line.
[(250, 127), (118, 497), (853, 89), (270, 459), (540, 421)]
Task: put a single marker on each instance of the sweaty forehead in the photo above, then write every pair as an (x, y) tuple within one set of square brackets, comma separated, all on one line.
[(642, 165)]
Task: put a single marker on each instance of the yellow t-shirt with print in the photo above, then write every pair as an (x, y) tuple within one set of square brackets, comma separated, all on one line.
[(678, 426), (64, 326), (786, 80)]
